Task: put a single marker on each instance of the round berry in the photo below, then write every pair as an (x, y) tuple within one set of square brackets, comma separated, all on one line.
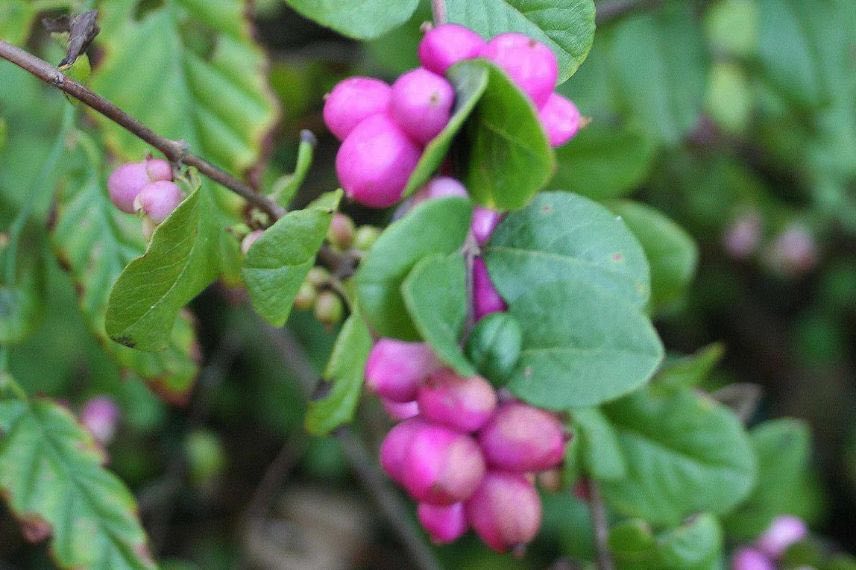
[(522, 438), (460, 403), (329, 308), (341, 231), (751, 559), (400, 411), (421, 103), (125, 183), (375, 162), (445, 523), (305, 297), (505, 510), (395, 368), (158, 200), (365, 237), (158, 169), (483, 223), (531, 65), (396, 444), (440, 187), (444, 46), (352, 101), (560, 119), (100, 416), (781, 534), (486, 299)]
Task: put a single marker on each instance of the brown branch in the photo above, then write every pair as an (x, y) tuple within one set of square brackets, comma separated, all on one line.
[(615, 9), (175, 151), (438, 11), (601, 527)]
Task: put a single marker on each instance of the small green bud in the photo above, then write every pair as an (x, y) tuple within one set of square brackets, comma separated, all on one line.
[(341, 232), (206, 457), (318, 276), (305, 297), (494, 346), (365, 237), (329, 308)]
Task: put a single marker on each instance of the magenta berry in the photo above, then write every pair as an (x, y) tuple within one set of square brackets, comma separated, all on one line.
[(399, 411), (781, 534), (560, 119), (505, 511), (158, 169), (100, 416), (352, 101), (444, 46), (522, 438), (375, 162), (751, 559), (460, 403), (442, 466), (445, 523), (396, 368), (530, 64), (158, 200), (421, 104), (484, 222), (396, 444), (486, 299)]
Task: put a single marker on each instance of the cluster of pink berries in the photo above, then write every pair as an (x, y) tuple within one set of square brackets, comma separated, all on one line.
[(783, 532), (384, 128), (467, 457), (145, 187)]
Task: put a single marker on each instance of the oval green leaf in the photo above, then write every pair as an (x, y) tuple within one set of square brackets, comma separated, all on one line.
[(362, 20)]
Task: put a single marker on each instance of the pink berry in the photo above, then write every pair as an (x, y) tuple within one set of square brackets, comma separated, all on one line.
[(445, 523), (396, 368), (441, 187), (751, 559), (158, 169), (531, 65), (486, 299), (421, 103), (396, 444), (100, 416), (560, 118), (444, 46), (522, 438), (125, 183), (400, 411), (742, 236), (505, 511), (781, 534), (375, 162), (352, 101), (158, 200), (484, 222), (793, 252), (460, 403), (442, 466)]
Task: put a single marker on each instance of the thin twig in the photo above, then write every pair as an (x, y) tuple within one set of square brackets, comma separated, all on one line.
[(175, 151), (438, 10), (615, 9), (601, 527), (361, 461)]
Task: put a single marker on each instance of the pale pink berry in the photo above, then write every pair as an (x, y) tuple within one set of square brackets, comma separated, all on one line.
[(505, 511), (441, 187), (250, 239), (352, 101), (793, 252), (742, 236), (444, 46), (781, 534), (522, 438), (751, 559), (486, 299), (483, 223), (444, 523), (396, 368), (442, 466), (158, 200), (396, 444), (100, 416), (457, 402), (375, 162), (560, 119), (531, 65), (158, 169), (421, 103), (399, 411), (126, 181)]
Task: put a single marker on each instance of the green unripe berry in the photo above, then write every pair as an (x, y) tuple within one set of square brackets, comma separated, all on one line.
[(318, 276), (305, 297), (329, 308), (494, 346), (206, 457), (341, 231), (365, 237)]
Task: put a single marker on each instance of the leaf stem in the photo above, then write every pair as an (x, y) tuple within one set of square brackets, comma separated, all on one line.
[(438, 10), (601, 526), (175, 150)]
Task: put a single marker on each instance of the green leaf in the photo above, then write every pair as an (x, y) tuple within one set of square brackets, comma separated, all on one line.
[(277, 263), (180, 262), (16, 20), (435, 293), (598, 444), (560, 235), (695, 545), (493, 346), (783, 451), (362, 20), (345, 371), (684, 453), (51, 474), (581, 346), (659, 66), (505, 151), (436, 226), (672, 254), (189, 70), (94, 242), (687, 371), (603, 161), (21, 302), (470, 81), (566, 26)]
